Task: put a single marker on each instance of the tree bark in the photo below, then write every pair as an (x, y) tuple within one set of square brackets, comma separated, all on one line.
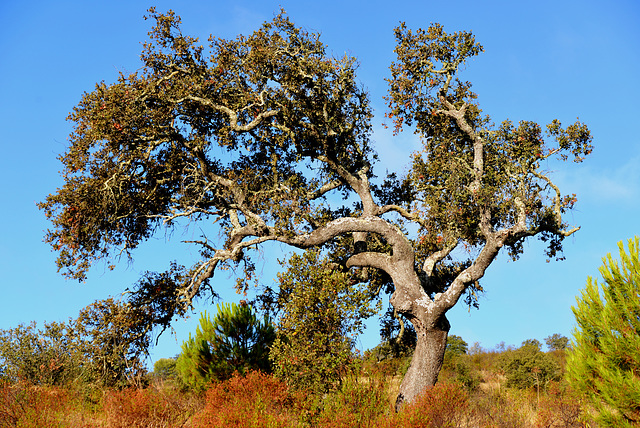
[(427, 360)]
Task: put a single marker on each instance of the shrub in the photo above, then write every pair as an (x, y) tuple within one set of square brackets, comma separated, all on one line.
[(457, 365), (501, 409), (254, 401), (114, 337), (528, 366), (358, 403), (560, 407), (323, 309), (26, 406), (133, 408), (48, 356), (104, 346), (446, 405), (465, 374)]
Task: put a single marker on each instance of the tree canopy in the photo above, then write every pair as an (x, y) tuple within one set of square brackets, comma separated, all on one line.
[(267, 137)]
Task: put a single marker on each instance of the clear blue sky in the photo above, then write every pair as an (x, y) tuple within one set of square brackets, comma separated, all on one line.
[(543, 60)]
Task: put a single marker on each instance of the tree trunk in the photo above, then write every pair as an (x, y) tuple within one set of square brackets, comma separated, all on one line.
[(426, 362)]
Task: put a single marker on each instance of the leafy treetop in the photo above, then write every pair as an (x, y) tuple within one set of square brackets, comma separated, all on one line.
[(255, 132)]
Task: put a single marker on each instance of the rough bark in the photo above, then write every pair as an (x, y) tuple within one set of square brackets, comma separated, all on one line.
[(426, 362)]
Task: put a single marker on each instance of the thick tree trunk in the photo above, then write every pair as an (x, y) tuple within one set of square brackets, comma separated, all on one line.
[(426, 362)]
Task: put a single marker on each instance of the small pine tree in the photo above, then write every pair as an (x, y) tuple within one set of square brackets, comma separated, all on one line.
[(605, 361), (236, 340)]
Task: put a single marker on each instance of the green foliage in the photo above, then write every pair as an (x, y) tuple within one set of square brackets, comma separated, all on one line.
[(358, 403), (104, 345), (115, 339), (605, 360), (456, 345), (528, 366), (426, 91), (556, 342), (322, 311), (155, 293), (459, 364), (165, 369), (50, 356), (236, 340)]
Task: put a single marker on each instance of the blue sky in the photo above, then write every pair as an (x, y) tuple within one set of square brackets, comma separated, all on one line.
[(542, 60)]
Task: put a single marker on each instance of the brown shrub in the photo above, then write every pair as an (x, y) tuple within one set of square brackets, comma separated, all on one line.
[(148, 408), (29, 406), (446, 405), (500, 409), (559, 408), (256, 400)]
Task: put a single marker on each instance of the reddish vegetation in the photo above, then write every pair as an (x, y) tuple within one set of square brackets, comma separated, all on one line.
[(260, 400)]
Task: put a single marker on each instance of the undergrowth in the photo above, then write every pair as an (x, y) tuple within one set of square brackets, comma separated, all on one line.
[(472, 397)]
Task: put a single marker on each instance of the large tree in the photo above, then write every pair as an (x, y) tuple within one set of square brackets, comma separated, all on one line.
[(267, 138)]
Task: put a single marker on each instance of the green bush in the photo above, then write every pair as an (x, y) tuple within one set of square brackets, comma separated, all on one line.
[(49, 356), (235, 340), (457, 365), (358, 403), (114, 339), (322, 311), (104, 346), (528, 366)]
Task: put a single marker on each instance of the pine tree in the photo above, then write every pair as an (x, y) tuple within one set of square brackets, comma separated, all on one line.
[(605, 361), (235, 340)]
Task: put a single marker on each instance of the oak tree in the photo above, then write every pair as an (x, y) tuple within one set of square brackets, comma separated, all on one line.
[(267, 138)]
